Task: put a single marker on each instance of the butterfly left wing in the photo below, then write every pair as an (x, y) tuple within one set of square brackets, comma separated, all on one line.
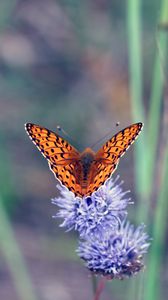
[(107, 158), (53, 147), (63, 159)]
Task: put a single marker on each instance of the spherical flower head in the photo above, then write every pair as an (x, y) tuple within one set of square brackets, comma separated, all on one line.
[(93, 215), (118, 255)]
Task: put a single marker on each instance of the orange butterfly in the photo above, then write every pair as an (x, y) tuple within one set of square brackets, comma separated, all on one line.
[(82, 173)]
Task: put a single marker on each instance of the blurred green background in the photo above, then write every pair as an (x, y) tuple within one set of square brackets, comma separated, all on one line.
[(83, 65)]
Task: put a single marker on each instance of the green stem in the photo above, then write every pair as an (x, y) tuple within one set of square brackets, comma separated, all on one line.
[(138, 113), (94, 284), (156, 97), (136, 87), (152, 288)]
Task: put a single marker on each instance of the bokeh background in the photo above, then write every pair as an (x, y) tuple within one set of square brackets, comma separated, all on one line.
[(83, 65)]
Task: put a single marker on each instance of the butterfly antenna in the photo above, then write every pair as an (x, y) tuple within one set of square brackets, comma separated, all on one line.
[(105, 136), (60, 129)]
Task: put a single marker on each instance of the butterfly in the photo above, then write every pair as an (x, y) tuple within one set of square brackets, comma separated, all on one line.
[(82, 173)]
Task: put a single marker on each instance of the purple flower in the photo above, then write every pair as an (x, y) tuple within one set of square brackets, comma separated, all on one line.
[(119, 254), (94, 215)]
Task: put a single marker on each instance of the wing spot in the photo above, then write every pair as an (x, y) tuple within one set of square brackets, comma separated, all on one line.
[(52, 150)]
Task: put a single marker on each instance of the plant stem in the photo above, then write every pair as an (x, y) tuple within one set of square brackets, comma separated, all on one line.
[(100, 288), (152, 288), (156, 96), (94, 284), (136, 95)]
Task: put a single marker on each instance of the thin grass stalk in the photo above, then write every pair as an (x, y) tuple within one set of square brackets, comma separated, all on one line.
[(136, 93), (152, 286), (138, 114), (14, 258), (156, 95)]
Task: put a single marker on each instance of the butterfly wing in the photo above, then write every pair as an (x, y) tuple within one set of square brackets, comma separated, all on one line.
[(68, 175), (107, 157), (63, 159)]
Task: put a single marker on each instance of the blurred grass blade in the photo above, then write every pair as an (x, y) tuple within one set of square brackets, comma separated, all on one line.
[(152, 286), (5, 12), (136, 92), (14, 259), (136, 87), (135, 57), (156, 94)]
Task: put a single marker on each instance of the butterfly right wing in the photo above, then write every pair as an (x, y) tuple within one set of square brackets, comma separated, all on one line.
[(107, 158), (100, 172), (63, 159), (115, 147)]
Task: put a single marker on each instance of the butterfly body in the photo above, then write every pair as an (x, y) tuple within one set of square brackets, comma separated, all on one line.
[(87, 157), (82, 173)]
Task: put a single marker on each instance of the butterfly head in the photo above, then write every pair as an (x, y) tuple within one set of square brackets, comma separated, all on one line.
[(87, 156)]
